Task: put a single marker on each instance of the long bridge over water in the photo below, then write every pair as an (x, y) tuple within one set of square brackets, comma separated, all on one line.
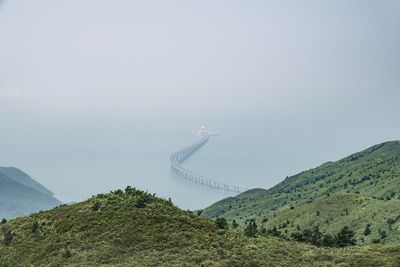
[(177, 158)]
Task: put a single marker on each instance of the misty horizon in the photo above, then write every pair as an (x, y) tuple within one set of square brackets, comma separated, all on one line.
[(95, 95)]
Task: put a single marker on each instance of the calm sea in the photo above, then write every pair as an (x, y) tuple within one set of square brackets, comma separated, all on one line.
[(79, 160)]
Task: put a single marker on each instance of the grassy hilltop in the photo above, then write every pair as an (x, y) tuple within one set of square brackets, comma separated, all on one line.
[(361, 191), (134, 228)]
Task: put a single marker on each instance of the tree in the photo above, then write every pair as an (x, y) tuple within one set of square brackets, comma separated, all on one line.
[(4, 221), (96, 206), (376, 241), (298, 236), (307, 234), (251, 229), (382, 234), (235, 224), (327, 240), (263, 231), (34, 226), (141, 203), (345, 237), (7, 237), (367, 230), (310, 236), (316, 236), (221, 223), (129, 190), (391, 221), (274, 232)]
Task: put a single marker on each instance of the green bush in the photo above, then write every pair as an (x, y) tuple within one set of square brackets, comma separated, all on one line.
[(251, 229), (34, 227), (235, 224), (345, 237), (221, 223), (96, 206), (367, 230), (328, 241), (7, 237)]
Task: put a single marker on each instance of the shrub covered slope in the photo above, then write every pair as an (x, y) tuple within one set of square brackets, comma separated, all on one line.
[(134, 228), (360, 190)]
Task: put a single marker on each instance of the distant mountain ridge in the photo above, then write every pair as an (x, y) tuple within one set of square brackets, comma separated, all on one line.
[(359, 190), (23, 178), (21, 195)]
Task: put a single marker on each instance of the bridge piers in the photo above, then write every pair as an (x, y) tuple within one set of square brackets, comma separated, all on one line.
[(175, 166)]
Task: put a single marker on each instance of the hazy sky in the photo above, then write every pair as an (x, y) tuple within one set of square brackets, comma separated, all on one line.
[(67, 66)]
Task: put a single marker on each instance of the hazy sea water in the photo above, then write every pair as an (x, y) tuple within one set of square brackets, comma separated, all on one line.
[(79, 160)]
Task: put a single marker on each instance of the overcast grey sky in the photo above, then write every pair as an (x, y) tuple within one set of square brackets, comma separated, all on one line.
[(94, 62), (146, 56)]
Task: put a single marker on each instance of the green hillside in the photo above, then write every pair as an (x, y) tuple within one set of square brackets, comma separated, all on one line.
[(364, 186), (134, 228)]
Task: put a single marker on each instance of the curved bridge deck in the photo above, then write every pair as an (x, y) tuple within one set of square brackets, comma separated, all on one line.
[(177, 158)]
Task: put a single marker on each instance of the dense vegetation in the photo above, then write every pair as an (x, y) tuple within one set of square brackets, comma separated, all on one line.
[(360, 191), (135, 228)]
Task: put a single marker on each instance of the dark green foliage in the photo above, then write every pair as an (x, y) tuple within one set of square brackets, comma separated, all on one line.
[(221, 223), (34, 226), (3, 221), (96, 206), (251, 229), (391, 221), (67, 253), (298, 236), (367, 229), (309, 236), (144, 198), (376, 241), (263, 231), (328, 240), (382, 234), (342, 239), (199, 212), (141, 203), (234, 224), (345, 237), (274, 232), (316, 237), (7, 237)]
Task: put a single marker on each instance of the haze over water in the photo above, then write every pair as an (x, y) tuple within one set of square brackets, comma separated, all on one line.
[(90, 105)]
